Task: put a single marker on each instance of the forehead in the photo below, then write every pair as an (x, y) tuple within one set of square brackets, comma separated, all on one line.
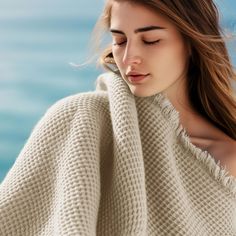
[(125, 13)]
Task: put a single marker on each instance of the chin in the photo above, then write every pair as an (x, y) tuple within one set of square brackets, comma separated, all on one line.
[(142, 92)]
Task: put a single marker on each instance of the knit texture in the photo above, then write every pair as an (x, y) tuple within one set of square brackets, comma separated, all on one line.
[(108, 163)]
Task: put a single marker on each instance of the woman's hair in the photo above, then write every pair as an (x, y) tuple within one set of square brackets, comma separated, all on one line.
[(210, 71)]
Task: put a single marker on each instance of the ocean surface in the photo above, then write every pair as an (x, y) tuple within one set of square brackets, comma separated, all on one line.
[(38, 41)]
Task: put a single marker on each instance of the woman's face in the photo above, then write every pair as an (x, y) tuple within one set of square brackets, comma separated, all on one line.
[(164, 60)]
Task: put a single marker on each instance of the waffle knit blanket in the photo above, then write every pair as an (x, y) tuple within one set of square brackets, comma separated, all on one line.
[(108, 163)]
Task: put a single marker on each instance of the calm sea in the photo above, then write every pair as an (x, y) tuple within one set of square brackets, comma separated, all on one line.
[(38, 41)]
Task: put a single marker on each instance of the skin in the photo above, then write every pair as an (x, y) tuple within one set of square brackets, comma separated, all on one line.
[(166, 61)]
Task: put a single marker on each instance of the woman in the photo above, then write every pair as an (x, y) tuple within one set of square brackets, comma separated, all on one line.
[(152, 150)]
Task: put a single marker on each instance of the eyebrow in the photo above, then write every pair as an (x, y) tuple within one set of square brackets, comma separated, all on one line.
[(144, 29)]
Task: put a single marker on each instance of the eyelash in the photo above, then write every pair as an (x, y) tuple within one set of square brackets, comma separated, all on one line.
[(148, 43)]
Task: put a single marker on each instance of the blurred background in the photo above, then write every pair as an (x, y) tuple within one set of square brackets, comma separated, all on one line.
[(38, 40)]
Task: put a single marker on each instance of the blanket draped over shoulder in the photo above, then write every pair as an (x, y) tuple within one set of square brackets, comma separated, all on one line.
[(109, 163)]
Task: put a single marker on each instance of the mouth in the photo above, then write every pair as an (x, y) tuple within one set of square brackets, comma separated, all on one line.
[(137, 78)]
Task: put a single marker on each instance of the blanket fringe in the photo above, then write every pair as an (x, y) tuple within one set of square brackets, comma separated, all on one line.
[(218, 171)]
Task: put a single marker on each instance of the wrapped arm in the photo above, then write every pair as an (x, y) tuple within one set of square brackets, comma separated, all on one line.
[(53, 187)]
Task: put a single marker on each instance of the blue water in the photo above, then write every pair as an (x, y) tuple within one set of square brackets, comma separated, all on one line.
[(38, 41)]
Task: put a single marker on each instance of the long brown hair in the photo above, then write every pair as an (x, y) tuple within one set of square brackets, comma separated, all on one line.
[(210, 71)]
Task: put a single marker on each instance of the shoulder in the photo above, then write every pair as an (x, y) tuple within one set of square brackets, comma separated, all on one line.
[(85, 102), (91, 99), (82, 115), (94, 103), (78, 113), (84, 107)]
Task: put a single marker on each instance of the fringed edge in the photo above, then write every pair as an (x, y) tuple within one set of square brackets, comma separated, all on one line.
[(218, 171)]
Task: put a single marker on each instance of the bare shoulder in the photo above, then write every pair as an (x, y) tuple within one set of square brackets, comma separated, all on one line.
[(206, 136), (225, 152)]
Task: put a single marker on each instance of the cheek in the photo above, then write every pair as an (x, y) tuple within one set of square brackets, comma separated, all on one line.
[(117, 53), (118, 56), (179, 58), (170, 59)]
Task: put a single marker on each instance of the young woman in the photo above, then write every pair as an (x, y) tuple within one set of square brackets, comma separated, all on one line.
[(152, 151)]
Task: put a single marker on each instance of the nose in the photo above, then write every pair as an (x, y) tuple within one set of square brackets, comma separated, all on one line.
[(131, 55)]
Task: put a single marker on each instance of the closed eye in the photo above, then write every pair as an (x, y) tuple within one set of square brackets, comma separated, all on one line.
[(145, 42), (153, 42)]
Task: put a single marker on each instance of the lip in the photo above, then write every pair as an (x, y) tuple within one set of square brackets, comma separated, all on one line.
[(137, 78), (134, 73)]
